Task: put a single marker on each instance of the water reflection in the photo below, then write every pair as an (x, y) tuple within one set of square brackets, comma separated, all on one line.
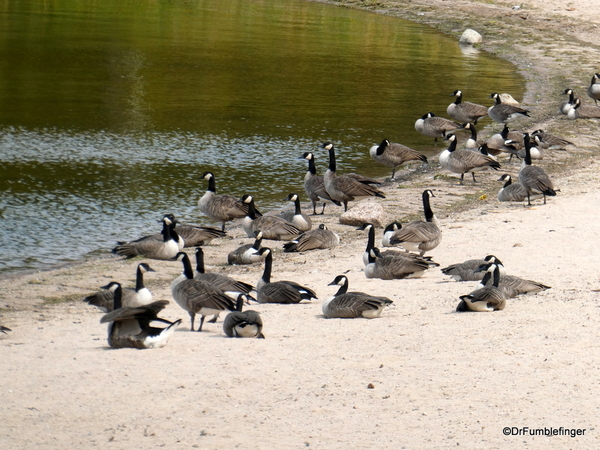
[(111, 110)]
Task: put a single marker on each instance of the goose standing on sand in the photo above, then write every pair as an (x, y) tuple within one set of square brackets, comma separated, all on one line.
[(436, 127), (344, 188), (579, 111), (271, 227), (593, 90), (485, 299), (141, 295), (418, 236), (533, 178), (296, 217), (394, 155), (350, 305), (315, 186), (465, 161), (510, 285), (504, 112), (197, 297), (129, 327), (243, 324), (566, 106), (247, 253), (465, 111), (285, 292), (221, 208), (164, 249), (468, 270), (319, 238)]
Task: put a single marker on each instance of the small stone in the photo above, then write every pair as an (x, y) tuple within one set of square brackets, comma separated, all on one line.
[(365, 212), (470, 37)]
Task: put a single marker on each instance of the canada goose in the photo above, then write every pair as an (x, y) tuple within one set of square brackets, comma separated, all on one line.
[(472, 143), (243, 324), (393, 268), (140, 295), (579, 111), (436, 127), (315, 186), (510, 285), (388, 232), (152, 248), (192, 235), (535, 148), (248, 253), (4, 329), (465, 111), (319, 238), (279, 291), (197, 297), (394, 155), (533, 178), (222, 208), (467, 271), (593, 90), (349, 305), (566, 106), (486, 299), (551, 141), (504, 112), (344, 188), (419, 236), (505, 141), (465, 161), (228, 285), (511, 192), (395, 226), (296, 217), (130, 326), (272, 227)]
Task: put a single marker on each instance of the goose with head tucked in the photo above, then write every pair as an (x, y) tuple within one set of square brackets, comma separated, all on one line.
[(345, 188), (198, 297), (350, 305), (243, 324), (271, 227), (505, 112), (465, 111), (315, 186), (534, 179), (220, 208), (130, 297), (192, 235), (436, 127), (419, 236), (485, 299), (465, 161), (296, 217), (319, 238), (392, 154), (130, 327), (550, 141), (164, 249), (286, 292), (247, 253)]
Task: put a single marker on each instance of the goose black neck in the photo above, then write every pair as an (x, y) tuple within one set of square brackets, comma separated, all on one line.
[(496, 276), (332, 160), (452, 145), (427, 207), (508, 183), (297, 208), (172, 233), (187, 267), (498, 100), (266, 277), (343, 288), (118, 298), (256, 244), (381, 148), (252, 210), (139, 279), (473, 133), (527, 142), (371, 239), (572, 97), (458, 99), (199, 260), (212, 185), (240, 303), (166, 231), (312, 168), (504, 132)]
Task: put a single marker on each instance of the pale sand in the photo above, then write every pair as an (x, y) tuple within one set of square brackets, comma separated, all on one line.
[(421, 376)]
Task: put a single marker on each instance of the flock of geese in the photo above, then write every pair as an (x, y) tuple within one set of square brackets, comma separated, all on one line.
[(132, 314)]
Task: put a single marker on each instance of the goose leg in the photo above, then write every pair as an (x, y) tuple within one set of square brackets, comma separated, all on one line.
[(474, 180), (201, 323), (462, 178), (192, 317), (214, 319), (323, 210)]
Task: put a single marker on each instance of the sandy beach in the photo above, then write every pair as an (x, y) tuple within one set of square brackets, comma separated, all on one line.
[(421, 376)]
